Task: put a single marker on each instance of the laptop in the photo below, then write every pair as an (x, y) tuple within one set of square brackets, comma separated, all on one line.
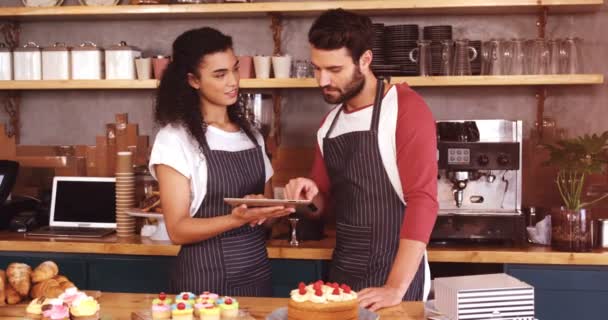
[(81, 207)]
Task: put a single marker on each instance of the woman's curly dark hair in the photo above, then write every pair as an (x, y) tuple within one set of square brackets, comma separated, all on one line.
[(177, 103)]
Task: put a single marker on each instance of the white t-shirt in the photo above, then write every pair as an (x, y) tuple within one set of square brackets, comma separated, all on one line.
[(174, 147)]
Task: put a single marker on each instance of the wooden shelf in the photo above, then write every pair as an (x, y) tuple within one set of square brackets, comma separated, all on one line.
[(527, 80), (44, 161), (298, 8), (77, 84)]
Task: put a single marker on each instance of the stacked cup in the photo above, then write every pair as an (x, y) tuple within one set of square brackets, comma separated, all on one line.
[(125, 194)]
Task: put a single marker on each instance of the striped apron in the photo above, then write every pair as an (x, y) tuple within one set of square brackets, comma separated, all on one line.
[(234, 263), (369, 213)]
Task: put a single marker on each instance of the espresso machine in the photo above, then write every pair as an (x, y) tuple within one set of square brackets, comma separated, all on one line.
[(479, 182)]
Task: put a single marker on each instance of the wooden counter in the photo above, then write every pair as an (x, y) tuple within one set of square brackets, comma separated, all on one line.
[(120, 306), (309, 250)]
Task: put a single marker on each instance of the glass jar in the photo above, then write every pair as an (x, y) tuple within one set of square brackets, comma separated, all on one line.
[(570, 230)]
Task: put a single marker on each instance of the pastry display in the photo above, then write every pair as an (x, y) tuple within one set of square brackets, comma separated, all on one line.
[(186, 297), (19, 282), (182, 311), (48, 288), (72, 304), (229, 307), (210, 312), (19, 277), (34, 309), (161, 307), (208, 296), (206, 306), (55, 309), (321, 301), (12, 296), (3, 285), (70, 295), (64, 282), (85, 308), (45, 271)]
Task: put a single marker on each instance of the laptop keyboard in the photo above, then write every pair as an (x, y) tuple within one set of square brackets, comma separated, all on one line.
[(71, 232)]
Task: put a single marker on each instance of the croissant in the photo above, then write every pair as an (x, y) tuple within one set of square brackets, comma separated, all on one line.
[(49, 288), (2, 287), (12, 296), (18, 275), (64, 282), (45, 271)]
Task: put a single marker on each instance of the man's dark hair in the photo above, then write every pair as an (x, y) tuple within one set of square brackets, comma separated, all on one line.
[(338, 28)]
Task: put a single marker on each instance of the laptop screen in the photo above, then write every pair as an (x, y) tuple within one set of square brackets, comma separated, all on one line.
[(84, 202)]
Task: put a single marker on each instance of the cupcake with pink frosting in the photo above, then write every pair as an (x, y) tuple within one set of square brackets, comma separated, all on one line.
[(161, 307), (72, 294), (56, 310)]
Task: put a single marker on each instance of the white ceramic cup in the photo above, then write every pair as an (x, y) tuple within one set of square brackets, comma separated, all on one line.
[(262, 67), (281, 65), (144, 68)]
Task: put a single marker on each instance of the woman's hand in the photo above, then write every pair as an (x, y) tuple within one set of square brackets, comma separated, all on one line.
[(257, 215)]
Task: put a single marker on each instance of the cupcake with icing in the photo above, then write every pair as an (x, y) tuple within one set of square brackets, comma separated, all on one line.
[(229, 308), (200, 306), (55, 311), (181, 311), (186, 297), (161, 307), (85, 309), (34, 309), (208, 295), (71, 294), (210, 312)]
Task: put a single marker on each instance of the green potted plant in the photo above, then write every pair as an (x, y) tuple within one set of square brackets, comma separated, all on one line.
[(575, 159)]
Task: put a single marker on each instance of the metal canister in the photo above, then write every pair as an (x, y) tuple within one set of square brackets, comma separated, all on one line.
[(87, 62), (56, 62), (120, 61), (27, 62), (6, 62), (603, 232)]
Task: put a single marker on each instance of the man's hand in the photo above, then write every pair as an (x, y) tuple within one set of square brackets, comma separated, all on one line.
[(382, 297), (301, 189)]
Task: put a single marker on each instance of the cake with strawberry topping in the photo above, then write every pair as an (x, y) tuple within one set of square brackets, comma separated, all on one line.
[(322, 301)]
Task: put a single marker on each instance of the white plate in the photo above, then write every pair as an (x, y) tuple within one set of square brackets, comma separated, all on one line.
[(281, 314)]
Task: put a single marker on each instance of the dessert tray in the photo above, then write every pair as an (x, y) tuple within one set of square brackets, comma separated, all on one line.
[(147, 315)]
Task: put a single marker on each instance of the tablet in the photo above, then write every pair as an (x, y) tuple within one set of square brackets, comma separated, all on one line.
[(266, 202)]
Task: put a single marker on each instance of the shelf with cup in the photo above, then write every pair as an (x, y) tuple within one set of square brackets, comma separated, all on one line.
[(297, 8), (437, 81)]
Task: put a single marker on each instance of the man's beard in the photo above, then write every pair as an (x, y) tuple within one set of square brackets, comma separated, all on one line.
[(352, 89)]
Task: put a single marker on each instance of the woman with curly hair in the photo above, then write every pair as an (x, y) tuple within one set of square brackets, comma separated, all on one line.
[(205, 151)]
